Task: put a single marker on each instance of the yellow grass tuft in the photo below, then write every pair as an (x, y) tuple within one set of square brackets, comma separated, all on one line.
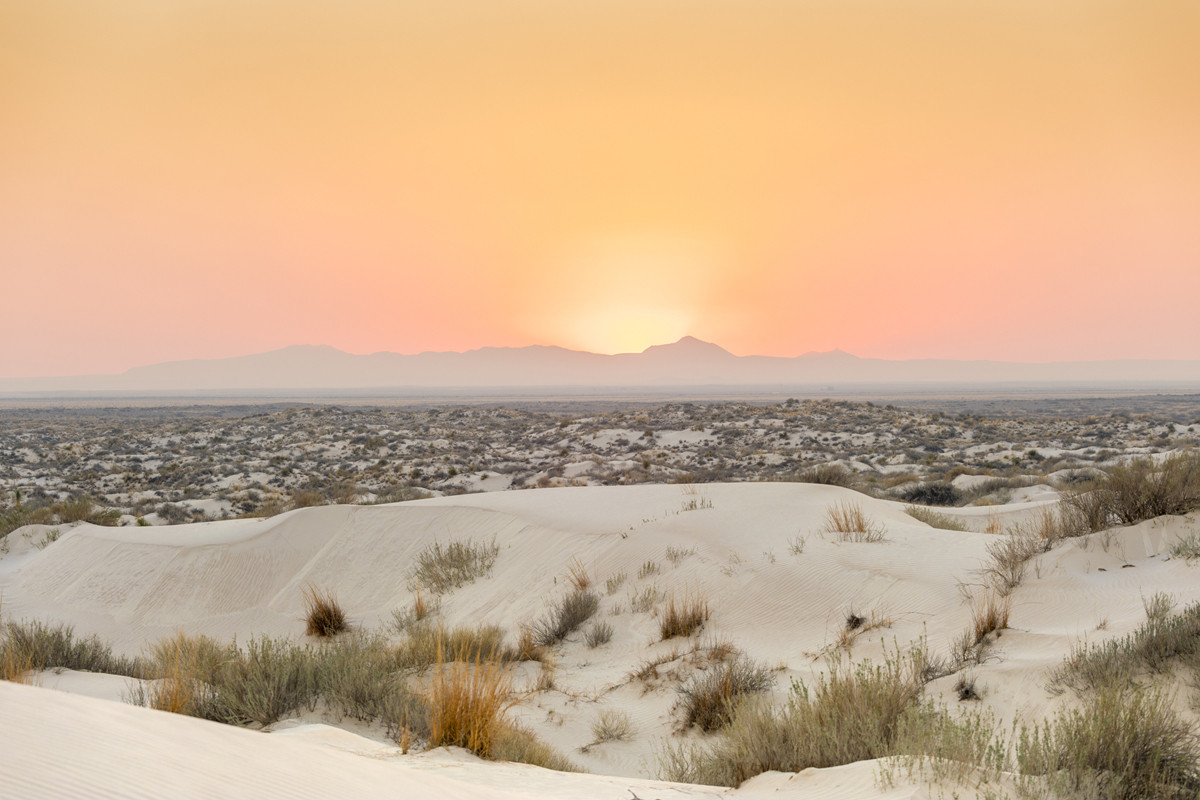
[(466, 701), (683, 617), (990, 614), (851, 523)]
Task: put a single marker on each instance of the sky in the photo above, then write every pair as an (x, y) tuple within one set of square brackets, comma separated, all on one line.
[(996, 179)]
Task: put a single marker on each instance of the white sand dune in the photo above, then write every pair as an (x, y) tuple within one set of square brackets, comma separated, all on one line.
[(244, 578)]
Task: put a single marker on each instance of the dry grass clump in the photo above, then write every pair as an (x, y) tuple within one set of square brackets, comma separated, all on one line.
[(186, 671), (466, 700), (512, 741), (1127, 744), (851, 524), (574, 610), (323, 615), (440, 568), (614, 582), (990, 615), (935, 519), (857, 625), (708, 700), (420, 647), (852, 714), (577, 576), (612, 725), (683, 617), (599, 633)]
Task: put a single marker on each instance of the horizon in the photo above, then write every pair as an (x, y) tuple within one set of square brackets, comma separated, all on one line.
[(902, 181)]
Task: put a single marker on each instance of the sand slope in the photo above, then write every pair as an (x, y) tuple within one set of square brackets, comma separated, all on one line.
[(733, 543)]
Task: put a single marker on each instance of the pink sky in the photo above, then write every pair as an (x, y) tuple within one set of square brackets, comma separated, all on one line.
[(209, 178)]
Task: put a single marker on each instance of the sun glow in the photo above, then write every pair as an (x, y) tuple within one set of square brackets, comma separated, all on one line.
[(628, 329)]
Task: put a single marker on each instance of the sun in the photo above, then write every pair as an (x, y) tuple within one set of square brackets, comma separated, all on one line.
[(629, 329)]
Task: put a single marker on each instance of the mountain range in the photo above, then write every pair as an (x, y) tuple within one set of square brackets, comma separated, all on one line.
[(687, 362)]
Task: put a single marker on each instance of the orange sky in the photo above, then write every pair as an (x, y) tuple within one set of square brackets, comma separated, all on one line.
[(1010, 179)]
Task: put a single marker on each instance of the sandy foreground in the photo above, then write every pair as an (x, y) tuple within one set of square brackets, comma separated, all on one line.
[(780, 590)]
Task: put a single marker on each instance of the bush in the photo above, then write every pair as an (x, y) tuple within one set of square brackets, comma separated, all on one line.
[(514, 742), (934, 519), (1128, 744), (574, 610), (683, 617), (935, 493), (442, 568), (271, 678), (852, 714), (829, 475), (612, 725), (1007, 556), (420, 649), (1150, 648), (44, 646), (1188, 547), (851, 524), (323, 615), (708, 700), (1142, 490)]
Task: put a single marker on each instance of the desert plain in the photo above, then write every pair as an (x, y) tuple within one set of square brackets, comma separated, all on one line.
[(809, 599)]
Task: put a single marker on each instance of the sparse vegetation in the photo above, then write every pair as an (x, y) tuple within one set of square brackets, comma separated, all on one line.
[(599, 633), (440, 568), (850, 523), (990, 614)]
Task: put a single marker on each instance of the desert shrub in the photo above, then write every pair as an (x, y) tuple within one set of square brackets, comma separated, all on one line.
[(187, 673), (599, 633), (851, 714), (683, 617), (571, 612), (26, 514), (512, 741), (935, 519), (1150, 648), (356, 675), (647, 569), (1188, 547), (82, 509), (1086, 509), (851, 524), (935, 493), (678, 554), (441, 568), (43, 646), (1143, 490), (268, 680), (1127, 744), (323, 616), (708, 700), (644, 600), (829, 475), (465, 702), (612, 725), (1007, 558)]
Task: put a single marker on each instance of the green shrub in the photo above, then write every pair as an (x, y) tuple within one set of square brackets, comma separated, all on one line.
[(935, 493), (934, 519), (1127, 744), (268, 680), (45, 646)]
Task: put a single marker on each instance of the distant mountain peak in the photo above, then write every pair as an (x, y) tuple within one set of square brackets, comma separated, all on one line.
[(689, 346)]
